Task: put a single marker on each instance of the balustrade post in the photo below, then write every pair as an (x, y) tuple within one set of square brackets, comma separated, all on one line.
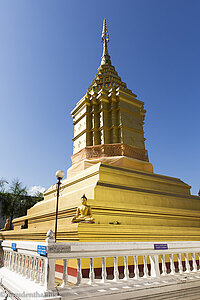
[(79, 273), (164, 269), (41, 268), (172, 264), (180, 265), (126, 271), (155, 271), (136, 269), (48, 265), (6, 259), (65, 273), (10, 260), (194, 263), (145, 270), (23, 264), (91, 275), (32, 268), (49, 273), (18, 266), (116, 272), (17, 262), (187, 264), (20, 263), (27, 266), (14, 261), (103, 273), (37, 270)]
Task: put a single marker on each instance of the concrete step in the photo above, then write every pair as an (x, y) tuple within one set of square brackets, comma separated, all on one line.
[(192, 293), (173, 290)]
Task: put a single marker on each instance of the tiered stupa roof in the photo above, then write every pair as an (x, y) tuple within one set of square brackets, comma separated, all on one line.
[(106, 77)]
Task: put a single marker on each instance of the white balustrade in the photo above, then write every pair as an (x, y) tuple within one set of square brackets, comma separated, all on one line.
[(126, 271), (91, 275), (13, 262), (26, 261), (180, 265), (17, 263), (10, 260), (103, 270), (65, 273), (79, 273), (6, 258), (136, 269), (42, 270), (155, 272), (164, 269), (172, 267), (187, 264), (194, 264), (116, 273), (49, 273), (32, 273), (23, 264), (37, 270), (20, 263), (27, 266), (145, 268)]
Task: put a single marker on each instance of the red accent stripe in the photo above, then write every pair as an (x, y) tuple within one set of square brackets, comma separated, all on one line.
[(59, 268), (71, 271)]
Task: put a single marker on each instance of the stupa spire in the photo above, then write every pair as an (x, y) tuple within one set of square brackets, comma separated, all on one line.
[(105, 60), (106, 77)]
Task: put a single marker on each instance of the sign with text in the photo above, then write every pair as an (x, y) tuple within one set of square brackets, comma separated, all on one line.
[(160, 247), (42, 250), (14, 246)]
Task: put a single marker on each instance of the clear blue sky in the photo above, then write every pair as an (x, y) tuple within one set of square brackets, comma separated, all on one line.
[(49, 54)]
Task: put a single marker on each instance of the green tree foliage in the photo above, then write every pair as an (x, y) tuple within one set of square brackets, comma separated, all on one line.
[(15, 199), (3, 183)]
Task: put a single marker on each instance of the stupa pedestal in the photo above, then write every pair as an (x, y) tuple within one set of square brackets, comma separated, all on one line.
[(127, 205)]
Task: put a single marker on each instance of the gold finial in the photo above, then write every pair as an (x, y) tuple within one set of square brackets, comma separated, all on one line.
[(105, 60), (105, 35)]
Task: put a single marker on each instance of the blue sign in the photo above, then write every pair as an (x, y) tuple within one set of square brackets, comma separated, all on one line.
[(42, 250), (160, 247), (14, 246)]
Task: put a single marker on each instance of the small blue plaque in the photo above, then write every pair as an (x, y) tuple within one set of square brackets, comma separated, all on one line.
[(14, 246), (160, 247), (42, 250)]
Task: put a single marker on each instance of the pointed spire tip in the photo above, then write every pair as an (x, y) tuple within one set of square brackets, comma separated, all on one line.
[(105, 35), (105, 60)]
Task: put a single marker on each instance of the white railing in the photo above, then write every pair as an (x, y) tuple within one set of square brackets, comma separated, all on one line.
[(26, 260)]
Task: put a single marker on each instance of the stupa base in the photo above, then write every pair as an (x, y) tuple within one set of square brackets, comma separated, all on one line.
[(127, 205)]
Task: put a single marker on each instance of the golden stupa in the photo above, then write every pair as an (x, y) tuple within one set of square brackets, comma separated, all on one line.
[(110, 165)]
